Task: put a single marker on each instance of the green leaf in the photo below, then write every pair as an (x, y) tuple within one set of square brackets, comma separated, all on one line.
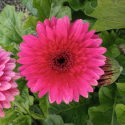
[(119, 41), (88, 8), (29, 6), (22, 119), (107, 39), (30, 23), (69, 124), (121, 88), (105, 113), (112, 51), (18, 120), (110, 15), (47, 9), (11, 21), (120, 111), (1, 35), (77, 4), (74, 112), (9, 116), (8, 48), (28, 119), (64, 11), (35, 115), (53, 120), (44, 103), (109, 42), (25, 95)]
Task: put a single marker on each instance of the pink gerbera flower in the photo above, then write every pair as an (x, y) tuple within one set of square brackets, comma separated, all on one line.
[(7, 85), (65, 60)]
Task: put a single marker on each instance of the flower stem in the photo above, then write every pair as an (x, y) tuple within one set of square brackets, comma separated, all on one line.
[(20, 106), (0, 121)]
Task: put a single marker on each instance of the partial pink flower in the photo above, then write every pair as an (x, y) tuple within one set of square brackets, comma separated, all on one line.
[(65, 60), (7, 85)]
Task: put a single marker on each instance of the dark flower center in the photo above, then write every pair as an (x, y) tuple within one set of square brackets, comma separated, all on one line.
[(61, 61)]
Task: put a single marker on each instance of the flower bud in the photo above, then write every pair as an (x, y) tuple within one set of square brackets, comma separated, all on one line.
[(112, 70), (121, 47)]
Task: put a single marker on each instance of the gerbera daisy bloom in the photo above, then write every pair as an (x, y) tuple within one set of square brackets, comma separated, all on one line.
[(63, 60), (7, 85)]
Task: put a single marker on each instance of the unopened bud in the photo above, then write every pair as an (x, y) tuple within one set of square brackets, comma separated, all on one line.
[(111, 70), (121, 47)]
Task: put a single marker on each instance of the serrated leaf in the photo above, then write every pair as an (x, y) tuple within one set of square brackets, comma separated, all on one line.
[(9, 116), (77, 4), (28, 4), (25, 95), (62, 12), (110, 15), (74, 112), (53, 120), (18, 120), (8, 48), (112, 51), (109, 42), (11, 23), (107, 39), (121, 88), (28, 119), (105, 113), (1, 35), (47, 9), (35, 115), (44, 103), (120, 111), (30, 23), (119, 41)]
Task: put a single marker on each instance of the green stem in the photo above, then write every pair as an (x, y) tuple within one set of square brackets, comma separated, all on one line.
[(0, 121), (20, 106)]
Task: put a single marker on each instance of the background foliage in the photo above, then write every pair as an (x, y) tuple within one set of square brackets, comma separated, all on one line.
[(106, 105)]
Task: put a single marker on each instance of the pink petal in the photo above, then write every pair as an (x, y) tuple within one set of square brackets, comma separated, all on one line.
[(2, 114), (50, 34), (2, 96), (14, 91), (67, 22), (47, 22), (93, 82), (75, 94), (85, 27), (8, 95), (5, 86), (9, 66), (53, 93), (53, 21), (5, 104), (42, 92), (61, 30), (76, 29), (83, 92), (89, 35), (40, 28), (13, 84)]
